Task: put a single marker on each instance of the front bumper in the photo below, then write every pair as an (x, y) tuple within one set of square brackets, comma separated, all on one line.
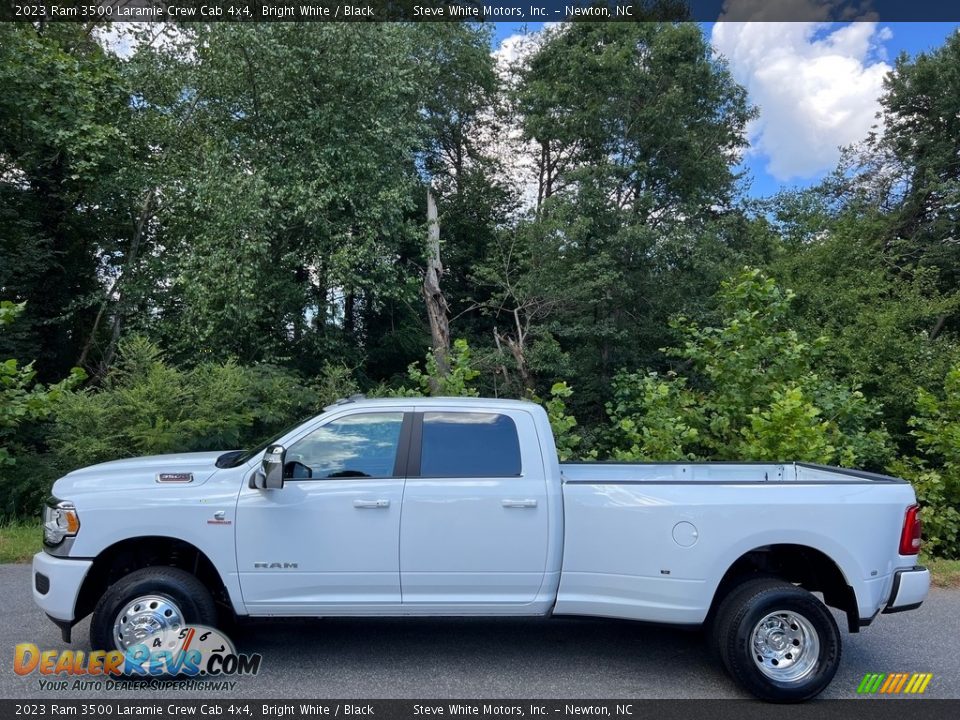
[(910, 588), (62, 579)]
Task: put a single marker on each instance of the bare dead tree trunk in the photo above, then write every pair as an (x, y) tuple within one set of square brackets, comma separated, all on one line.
[(146, 212), (541, 175), (88, 345), (437, 308), (549, 189), (517, 348), (117, 321), (937, 328), (501, 367), (349, 315)]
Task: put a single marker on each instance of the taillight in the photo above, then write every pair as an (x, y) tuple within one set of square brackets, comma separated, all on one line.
[(910, 537)]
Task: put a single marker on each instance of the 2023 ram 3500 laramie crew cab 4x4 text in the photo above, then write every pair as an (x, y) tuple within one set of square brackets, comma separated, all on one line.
[(453, 506)]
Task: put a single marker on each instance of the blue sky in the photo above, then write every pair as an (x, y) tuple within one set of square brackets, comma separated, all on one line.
[(816, 86)]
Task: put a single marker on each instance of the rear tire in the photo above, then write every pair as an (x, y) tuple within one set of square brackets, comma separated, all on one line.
[(714, 628), (176, 597), (777, 641)]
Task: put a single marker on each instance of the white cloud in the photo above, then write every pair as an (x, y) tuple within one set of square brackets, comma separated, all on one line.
[(513, 48), (817, 87), (124, 38), (518, 159), (519, 45), (117, 38)]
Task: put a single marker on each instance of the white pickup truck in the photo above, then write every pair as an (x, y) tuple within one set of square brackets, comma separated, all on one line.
[(454, 506)]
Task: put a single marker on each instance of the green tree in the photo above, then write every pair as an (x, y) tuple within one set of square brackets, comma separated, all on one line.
[(935, 472), (23, 400), (751, 389), (882, 318), (64, 117), (147, 406), (921, 114), (643, 111), (521, 302), (284, 199), (25, 405), (870, 251), (903, 181), (653, 418), (457, 382), (563, 424), (636, 128)]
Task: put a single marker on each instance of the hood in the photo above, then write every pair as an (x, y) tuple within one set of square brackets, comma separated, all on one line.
[(137, 473)]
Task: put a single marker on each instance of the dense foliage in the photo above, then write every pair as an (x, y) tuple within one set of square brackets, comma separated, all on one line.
[(936, 474), (21, 399), (223, 248), (751, 389)]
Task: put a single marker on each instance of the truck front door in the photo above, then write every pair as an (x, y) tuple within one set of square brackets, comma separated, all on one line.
[(328, 541)]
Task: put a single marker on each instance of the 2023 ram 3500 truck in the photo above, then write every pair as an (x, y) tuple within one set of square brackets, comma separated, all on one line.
[(453, 506)]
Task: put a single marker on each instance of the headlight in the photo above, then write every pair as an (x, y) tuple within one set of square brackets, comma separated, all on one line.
[(60, 520)]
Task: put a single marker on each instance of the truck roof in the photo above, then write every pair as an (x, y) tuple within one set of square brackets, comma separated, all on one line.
[(479, 403)]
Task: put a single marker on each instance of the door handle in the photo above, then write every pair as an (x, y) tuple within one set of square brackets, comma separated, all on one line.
[(371, 504), (519, 503)]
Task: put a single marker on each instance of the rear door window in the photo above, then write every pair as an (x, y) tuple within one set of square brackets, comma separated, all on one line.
[(469, 444)]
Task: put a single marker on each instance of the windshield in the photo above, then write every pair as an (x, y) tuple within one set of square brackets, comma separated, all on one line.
[(235, 458)]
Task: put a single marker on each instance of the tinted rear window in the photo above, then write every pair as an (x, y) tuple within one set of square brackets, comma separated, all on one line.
[(462, 444)]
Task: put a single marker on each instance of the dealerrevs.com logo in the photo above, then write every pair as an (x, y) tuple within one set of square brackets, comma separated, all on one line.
[(187, 652)]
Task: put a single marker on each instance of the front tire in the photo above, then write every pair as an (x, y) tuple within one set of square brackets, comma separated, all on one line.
[(149, 600), (778, 641)]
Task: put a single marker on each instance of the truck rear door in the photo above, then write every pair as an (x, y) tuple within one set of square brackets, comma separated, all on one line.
[(473, 528)]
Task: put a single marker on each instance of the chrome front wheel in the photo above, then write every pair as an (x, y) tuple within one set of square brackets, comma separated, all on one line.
[(150, 604), (145, 617)]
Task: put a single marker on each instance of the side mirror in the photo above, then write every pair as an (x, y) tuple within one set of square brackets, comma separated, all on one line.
[(271, 470)]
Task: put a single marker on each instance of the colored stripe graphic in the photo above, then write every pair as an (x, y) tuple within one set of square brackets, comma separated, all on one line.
[(890, 682), (894, 683)]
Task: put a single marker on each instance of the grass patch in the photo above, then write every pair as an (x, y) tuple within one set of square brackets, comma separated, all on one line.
[(19, 541), (943, 573)]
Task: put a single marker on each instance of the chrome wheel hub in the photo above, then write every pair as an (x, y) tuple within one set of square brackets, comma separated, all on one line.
[(785, 646), (145, 617)]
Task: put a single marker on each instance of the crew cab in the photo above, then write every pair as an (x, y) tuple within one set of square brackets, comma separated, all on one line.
[(460, 506)]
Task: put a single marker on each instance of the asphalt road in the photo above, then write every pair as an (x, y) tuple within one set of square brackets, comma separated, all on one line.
[(503, 658)]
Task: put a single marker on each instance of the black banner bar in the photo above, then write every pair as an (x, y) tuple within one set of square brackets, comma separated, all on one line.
[(221, 709), (526, 11)]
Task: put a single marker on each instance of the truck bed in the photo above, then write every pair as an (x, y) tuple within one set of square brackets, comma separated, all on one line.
[(714, 472), (652, 541)]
